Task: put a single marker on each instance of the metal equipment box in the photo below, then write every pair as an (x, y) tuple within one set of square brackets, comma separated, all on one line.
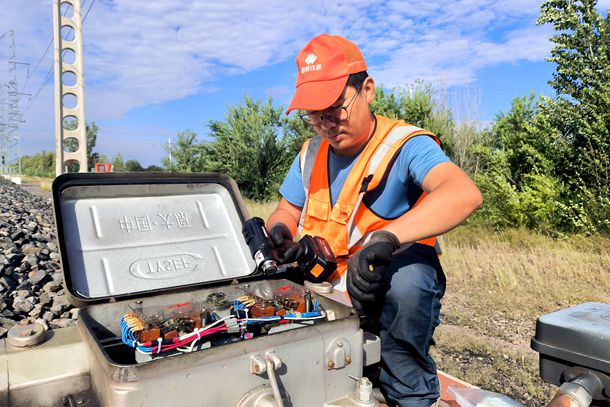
[(574, 339), (141, 241)]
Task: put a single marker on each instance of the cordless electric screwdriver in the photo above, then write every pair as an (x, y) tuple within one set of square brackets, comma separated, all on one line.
[(315, 260)]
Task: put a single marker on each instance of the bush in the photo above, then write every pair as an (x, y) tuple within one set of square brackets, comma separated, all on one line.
[(501, 202), (39, 165)]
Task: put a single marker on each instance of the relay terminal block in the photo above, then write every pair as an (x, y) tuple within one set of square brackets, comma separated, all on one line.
[(244, 313)]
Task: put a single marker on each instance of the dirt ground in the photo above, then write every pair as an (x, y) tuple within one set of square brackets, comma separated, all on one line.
[(34, 189), (489, 350)]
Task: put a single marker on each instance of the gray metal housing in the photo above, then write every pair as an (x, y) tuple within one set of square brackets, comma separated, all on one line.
[(81, 363)]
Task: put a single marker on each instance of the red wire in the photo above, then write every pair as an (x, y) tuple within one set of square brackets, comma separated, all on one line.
[(211, 331)]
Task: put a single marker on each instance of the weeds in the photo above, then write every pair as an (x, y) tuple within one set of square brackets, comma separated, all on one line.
[(522, 273), (260, 209)]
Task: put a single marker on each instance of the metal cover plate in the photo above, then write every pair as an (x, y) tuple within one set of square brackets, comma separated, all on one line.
[(578, 334), (133, 238)]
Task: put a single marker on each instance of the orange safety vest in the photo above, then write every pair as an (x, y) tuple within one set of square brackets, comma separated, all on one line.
[(347, 222)]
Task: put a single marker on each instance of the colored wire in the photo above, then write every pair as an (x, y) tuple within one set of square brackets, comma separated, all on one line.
[(131, 324)]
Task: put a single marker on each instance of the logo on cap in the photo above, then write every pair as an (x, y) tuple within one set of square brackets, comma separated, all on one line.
[(311, 65), (311, 58)]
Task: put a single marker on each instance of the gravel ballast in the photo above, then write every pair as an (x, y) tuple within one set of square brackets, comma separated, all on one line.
[(31, 282)]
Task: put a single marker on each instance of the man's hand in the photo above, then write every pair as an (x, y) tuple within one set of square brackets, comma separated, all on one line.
[(366, 266), (287, 249)]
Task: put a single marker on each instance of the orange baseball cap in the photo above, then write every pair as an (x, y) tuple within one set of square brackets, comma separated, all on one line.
[(324, 65)]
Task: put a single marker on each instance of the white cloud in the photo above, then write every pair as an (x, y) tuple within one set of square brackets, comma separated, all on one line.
[(158, 51), (455, 58), (139, 53)]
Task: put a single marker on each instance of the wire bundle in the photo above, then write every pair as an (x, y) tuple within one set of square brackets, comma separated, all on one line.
[(242, 307), (131, 324)]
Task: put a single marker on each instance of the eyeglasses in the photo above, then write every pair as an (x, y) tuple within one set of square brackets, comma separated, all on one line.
[(334, 115)]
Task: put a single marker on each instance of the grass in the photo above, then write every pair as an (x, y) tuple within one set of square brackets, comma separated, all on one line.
[(482, 362), (498, 284), (260, 209), (44, 183), (523, 274)]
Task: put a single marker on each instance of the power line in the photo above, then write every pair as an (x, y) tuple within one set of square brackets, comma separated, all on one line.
[(44, 83), (41, 58), (87, 13), (37, 65)]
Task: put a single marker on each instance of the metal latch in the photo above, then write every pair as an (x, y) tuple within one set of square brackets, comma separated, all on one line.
[(338, 354)]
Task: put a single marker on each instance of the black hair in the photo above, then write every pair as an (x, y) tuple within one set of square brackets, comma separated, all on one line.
[(356, 80)]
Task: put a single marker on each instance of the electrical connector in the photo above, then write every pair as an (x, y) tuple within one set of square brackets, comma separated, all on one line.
[(233, 325)]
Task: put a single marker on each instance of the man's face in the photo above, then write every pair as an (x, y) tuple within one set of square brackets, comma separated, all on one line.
[(352, 124)]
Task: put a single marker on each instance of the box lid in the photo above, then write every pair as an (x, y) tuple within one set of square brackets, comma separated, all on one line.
[(125, 235), (578, 334)]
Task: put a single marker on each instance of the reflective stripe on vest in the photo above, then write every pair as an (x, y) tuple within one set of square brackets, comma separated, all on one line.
[(307, 158)]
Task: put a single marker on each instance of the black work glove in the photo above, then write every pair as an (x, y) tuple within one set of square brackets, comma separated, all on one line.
[(366, 266), (288, 251)]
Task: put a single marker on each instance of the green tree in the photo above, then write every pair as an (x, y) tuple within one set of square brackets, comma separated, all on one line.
[(385, 103), (527, 144), (133, 166), (419, 106), (117, 164), (424, 107), (254, 145), (580, 113), (295, 132), (92, 156), (153, 168), (516, 172), (186, 154)]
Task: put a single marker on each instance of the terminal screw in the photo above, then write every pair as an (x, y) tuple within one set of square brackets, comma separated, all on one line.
[(348, 360), (331, 364)]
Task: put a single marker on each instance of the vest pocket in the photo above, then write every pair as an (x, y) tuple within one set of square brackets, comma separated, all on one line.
[(317, 210)]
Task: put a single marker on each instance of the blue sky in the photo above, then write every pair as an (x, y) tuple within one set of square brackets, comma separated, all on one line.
[(153, 68)]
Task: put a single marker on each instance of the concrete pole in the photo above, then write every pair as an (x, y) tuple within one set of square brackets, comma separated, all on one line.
[(69, 98)]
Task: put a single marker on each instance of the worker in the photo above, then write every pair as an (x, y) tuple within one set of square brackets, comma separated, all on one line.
[(379, 191)]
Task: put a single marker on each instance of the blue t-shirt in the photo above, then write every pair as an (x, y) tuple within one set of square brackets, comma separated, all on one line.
[(397, 192)]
